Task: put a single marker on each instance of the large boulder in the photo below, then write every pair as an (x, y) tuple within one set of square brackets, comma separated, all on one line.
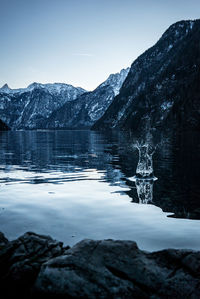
[(21, 259), (3, 240), (118, 269)]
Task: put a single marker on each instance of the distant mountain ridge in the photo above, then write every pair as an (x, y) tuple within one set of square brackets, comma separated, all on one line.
[(57, 105), (27, 107), (162, 88), (58, 88), (87, 108)]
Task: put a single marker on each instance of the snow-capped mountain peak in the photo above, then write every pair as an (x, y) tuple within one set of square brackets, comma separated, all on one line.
[(33, 85), (116, 80), (57, 105), (54, 88), (26, 107), (89, 107), (5, 88)]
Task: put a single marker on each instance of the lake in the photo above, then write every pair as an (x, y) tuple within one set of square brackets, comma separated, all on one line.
[(79, 184)]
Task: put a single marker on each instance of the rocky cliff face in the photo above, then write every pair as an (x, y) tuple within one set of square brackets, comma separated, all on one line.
[(87, 108), (25, 108), (162, 88)]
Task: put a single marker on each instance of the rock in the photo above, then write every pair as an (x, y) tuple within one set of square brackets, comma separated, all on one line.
[(3, 240), (21, 259), (118, 269), (36, 266)]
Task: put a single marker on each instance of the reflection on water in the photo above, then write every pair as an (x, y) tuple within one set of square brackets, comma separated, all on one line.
[(144, 189), (77, 184)]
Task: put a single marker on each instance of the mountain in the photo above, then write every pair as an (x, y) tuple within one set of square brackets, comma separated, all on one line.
[(87, 108), (57, 105), (162, 88), (5, 88), (25, 108)]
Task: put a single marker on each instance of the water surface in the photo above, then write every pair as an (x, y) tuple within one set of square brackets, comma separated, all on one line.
[(77, 184)]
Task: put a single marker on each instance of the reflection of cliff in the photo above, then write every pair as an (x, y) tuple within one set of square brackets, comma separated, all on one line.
[(52, 150), (178, 166)]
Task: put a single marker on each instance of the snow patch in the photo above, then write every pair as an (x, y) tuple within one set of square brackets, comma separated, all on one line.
[(169, 47), (116, 80), (53, 88), (166, 105)]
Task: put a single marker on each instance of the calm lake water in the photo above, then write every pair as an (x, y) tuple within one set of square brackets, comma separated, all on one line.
[(78, 184)]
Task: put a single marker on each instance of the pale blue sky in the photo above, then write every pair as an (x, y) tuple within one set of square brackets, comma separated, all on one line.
[(80, 42)]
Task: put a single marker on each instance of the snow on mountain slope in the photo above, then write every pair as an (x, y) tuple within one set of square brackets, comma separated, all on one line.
[(89, 107), (27, 107), (116, 80), (57, 105), (162, 88)]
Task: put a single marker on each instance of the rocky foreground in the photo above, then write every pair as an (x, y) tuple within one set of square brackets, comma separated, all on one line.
[(36, 266)]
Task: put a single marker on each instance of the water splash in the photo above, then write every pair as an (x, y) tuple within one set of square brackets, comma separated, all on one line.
[(144, 177), (145, 163)]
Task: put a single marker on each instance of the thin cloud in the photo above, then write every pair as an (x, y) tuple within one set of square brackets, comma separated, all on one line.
[(83, 54)]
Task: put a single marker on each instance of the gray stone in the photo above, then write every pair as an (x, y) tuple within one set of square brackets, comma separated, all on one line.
[(118, 269), (36, 266), (21, 259), (3, 240)]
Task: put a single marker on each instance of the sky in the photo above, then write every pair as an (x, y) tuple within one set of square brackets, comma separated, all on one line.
[(80, 42)]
